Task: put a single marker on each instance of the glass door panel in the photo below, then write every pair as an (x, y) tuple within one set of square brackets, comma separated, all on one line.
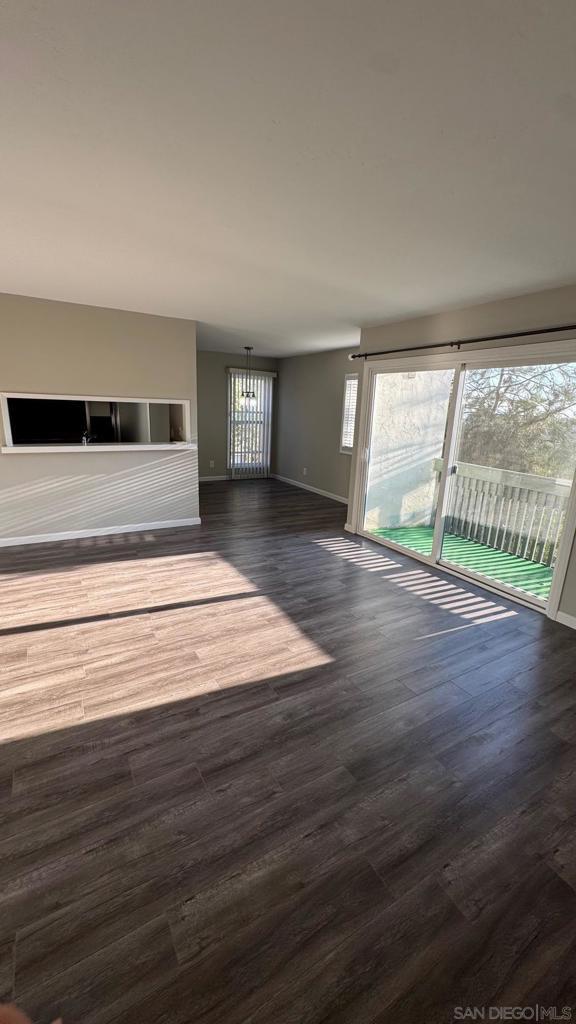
[(509, 487), (407, 438)]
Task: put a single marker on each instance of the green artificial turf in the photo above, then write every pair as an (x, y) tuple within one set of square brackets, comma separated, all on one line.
[(530, 577)]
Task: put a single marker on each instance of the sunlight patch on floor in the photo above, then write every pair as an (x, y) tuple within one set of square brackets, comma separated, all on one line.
[(140, 652), (115, 586), (452, 598)]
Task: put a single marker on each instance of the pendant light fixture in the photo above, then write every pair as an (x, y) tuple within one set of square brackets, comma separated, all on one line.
[(248, 393)]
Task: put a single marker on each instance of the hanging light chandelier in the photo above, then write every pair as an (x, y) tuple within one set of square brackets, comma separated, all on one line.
[(248, 393)]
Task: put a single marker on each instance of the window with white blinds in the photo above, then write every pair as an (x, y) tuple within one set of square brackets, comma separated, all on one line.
[(349, 412), (249, 422)]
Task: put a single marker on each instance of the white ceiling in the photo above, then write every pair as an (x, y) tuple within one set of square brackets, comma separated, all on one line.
[(287, 170)]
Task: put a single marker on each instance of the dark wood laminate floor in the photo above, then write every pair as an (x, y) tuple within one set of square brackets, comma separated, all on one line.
[(261, 772)]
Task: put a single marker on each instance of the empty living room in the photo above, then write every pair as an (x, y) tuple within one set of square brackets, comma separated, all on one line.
[(287, 511)]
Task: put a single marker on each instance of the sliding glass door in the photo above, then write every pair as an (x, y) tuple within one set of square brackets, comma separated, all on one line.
[(407, 439), (472, 466), (511, 476)]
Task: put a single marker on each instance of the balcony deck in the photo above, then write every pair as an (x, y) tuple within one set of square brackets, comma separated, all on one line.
[(500, 566)]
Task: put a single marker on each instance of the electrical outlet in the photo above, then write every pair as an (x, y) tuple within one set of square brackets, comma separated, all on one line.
[(211, 463), (304, 471)]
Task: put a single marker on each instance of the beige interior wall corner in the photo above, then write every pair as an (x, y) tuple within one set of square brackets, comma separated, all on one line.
[(309, 392), (310, 397)]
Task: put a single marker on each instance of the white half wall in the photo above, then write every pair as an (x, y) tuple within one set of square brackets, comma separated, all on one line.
[(65, 349)]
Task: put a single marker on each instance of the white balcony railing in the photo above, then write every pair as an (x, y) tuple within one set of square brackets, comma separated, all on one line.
[(520, 513)]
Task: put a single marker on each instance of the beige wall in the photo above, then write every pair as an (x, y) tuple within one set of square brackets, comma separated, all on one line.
[(526, 312), (61, 348), (310, 394), (212, 406)]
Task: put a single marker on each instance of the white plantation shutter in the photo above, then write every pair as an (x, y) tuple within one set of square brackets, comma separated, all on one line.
[(349, 412), (249, 423)]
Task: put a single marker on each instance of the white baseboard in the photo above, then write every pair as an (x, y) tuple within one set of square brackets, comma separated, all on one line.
[(208, 479), (566, 620), (103, 531), (308, 487)]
